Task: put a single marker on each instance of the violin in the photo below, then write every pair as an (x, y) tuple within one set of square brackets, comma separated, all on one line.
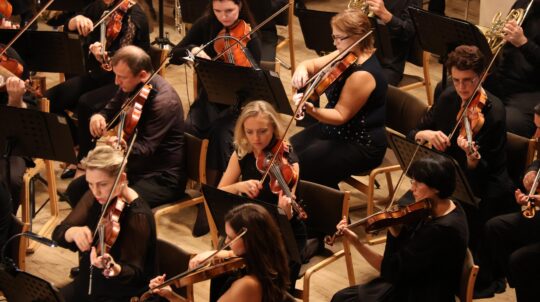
[(529, 210), (5, 9), (329, 77), (6, 73), (11, 64), (473, 121), (282, 173), (396, 216), (234, 54), (114, 25), (135, 110)]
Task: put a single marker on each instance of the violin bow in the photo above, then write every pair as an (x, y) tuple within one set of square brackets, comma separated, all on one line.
[(26, 26), (313, 81), (483, 77), (109, 13), (201, 265)]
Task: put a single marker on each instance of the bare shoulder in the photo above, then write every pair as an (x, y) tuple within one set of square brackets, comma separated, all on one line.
[(247, 288)]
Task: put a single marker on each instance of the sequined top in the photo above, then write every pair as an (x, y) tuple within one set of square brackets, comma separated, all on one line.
[(367, 126)]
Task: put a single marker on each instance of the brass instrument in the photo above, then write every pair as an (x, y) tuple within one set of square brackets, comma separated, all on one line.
[(361, 5), (495, 35)]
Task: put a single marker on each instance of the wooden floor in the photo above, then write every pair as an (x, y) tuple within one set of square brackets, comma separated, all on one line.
[(54, 264)]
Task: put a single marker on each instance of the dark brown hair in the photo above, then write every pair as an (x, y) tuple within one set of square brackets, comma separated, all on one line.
[(265, 251), (466, 57)]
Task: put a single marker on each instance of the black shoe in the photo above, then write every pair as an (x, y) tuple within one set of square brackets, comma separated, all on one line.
[(74, 272), (68, 173), (201, 223)]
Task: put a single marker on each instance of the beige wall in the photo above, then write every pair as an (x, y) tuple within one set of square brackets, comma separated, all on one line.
[(488, 9)]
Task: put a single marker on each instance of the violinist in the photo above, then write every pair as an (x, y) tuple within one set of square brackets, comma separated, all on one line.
[(120, 272), (211, 120), (349, 137), (395, 16), (514, 78), (257, 131), (88, 93), (512, 245), (156, 164), (265, 277), (483, 159), (422, 261)]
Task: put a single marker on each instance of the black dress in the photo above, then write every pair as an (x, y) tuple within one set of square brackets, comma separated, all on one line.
[(329, 154), (134, 251)]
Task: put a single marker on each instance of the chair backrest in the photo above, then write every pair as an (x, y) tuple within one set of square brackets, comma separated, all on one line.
[(403, 110), (325, 206), (196, 149), (172, 261), (520, 152), (17, 248), (157, 55), (468, 278)]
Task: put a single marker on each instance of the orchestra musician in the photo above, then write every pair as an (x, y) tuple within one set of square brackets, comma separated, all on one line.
[(421, 261), (156, 164), (512, 244), (514, 79), (88, 93), (119, 273), (258, 131), (395, 15), (206, 119), (265, 277), (349, 137)]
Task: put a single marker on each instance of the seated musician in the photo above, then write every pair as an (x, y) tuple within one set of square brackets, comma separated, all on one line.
[(88, 93), (349, 137), (156, 164), (258, 131), (118, 274), (395, 15), (421, 261), (515, 76), (484, 160), (206, 119), (512, 245), (265, 277)]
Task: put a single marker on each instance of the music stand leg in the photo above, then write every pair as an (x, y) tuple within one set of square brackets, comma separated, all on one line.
[(162, 40)]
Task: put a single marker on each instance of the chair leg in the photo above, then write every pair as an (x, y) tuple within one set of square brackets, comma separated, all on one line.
[(348, 262)]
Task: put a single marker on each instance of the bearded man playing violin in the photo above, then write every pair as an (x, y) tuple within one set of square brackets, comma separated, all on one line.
[(128, 265), (88, 93), (483, 159), (156, 164)]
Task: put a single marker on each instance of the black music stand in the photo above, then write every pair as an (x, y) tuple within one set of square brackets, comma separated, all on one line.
[(316, 29), (235, 85), (19, 286), (404, 150), (450, 33), (221, 202), (63, 52)]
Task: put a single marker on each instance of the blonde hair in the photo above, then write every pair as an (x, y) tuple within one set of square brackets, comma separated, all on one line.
[(353, 21), (104, 158), (253, 109)]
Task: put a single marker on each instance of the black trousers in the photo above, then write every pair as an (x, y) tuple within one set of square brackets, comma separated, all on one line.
[(512, 249), (76, 90), (155, 190), (376, 290), (329, 161)]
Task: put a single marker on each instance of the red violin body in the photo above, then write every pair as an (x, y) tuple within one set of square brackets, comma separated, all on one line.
[(234, 55)]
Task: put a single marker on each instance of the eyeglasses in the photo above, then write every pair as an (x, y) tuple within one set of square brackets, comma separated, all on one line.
[(464, 82), (334, 37)]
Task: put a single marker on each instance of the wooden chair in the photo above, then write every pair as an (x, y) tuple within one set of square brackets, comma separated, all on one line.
[(17, 248), (196, 173), (468, 278), (173, 260), (157, 55), (28, 195), (419, 58), (520, 152), (325, 207), (403, 111), (289, 40)]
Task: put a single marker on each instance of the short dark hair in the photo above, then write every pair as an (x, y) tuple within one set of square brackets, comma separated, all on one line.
[(135, 58), (466, 57), (436, 172)]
